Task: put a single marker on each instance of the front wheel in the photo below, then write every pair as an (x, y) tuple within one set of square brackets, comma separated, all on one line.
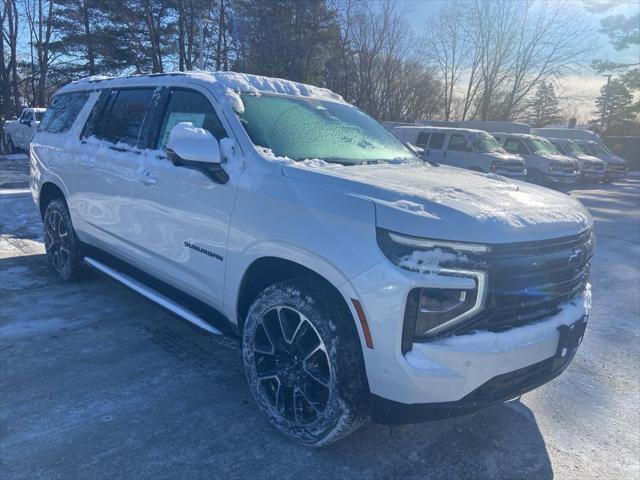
[(303, 361)]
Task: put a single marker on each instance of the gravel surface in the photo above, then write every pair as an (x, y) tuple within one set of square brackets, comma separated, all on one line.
[(97, 383)]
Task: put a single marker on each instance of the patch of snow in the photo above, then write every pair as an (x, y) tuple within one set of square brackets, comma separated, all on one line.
[(484, 341), (429, 261), (413, 207)]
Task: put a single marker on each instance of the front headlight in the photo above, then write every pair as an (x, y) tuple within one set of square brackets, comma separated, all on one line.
[(432, 310)]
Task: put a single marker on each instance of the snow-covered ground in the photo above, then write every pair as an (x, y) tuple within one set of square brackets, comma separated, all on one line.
[(97, 383)]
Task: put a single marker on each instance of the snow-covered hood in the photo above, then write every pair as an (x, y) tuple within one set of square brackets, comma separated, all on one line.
[(506, 157), (448, 203), (557, 157)]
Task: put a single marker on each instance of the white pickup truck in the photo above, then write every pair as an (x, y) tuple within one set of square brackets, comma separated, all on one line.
[(17, 133)]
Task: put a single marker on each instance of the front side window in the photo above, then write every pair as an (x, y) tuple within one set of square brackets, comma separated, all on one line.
[(513, 145), (39, 116), (436, 142), (458, 143), (485, 143), (306, 128), (63, 112), (123, 117), (540, 146), (189, 106), (423, 140)]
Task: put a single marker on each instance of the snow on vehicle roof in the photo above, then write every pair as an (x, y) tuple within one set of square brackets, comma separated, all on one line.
[(226, 85)]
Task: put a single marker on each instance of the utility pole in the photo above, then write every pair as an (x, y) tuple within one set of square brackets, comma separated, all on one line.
[(201, 23), (605, 109)]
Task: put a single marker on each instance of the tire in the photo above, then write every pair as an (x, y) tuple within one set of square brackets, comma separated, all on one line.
[(303, 361), (60, 241)]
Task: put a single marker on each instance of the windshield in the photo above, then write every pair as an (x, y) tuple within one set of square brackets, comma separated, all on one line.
[(303, 128), (572, 147), (596, 149), (485, 143), (540, 146)]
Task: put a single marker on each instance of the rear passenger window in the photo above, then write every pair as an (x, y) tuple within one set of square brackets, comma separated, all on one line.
[(423, 140), (458, 143), (124, 115), (189, 106), (437, 141), (63, 112)]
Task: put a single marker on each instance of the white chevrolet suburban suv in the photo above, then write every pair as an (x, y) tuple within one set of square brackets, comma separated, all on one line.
[(17, 133), (361, 281)]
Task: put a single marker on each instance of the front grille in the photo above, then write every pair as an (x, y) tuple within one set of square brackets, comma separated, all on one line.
[(529, 281), (566, 167), (616, 168)]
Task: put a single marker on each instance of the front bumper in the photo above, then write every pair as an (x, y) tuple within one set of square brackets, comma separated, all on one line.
[(615, 174), (499, 389), (561, 178), (592, 174), (441, 371)]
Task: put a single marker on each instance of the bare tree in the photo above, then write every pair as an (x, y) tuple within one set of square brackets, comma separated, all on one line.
[(40, 15), (9, 80)]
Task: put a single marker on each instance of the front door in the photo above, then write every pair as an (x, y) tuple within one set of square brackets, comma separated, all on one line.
[(181, 217)]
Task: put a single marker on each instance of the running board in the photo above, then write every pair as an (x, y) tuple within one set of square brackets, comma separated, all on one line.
[(152, 295)]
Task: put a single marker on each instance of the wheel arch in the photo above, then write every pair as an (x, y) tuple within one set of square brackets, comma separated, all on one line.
[(49, 191), (267, 270)]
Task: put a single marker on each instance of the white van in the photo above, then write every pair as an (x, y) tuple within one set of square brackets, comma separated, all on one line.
[(569, 133), (493, 126), (616, 168), (464, 148), (360, 281), (591, 168), (545, 164)]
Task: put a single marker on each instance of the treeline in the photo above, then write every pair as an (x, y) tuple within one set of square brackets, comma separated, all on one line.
[(484, 59)]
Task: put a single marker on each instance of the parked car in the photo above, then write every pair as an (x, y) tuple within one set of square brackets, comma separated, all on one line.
[(591, 168), (361, 281), (545, 164), (464, 148), (616, 166), (17, 133)]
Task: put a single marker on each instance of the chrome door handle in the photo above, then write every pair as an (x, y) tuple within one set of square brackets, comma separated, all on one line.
[(148, 178)]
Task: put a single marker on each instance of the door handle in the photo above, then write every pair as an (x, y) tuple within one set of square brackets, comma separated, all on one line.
[(148, 178)]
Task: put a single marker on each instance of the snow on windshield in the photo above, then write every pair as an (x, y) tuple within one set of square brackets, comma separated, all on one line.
[(308, 128)]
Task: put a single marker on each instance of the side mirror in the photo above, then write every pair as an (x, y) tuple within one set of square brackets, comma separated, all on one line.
[(196, 148)]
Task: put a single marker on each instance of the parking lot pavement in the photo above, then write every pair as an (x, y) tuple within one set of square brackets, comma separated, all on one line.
[(97, 383)]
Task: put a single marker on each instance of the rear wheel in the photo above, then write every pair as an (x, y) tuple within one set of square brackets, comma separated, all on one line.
[(60, 241), (303, 362)]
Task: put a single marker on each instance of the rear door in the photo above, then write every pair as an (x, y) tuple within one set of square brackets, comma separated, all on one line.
[(182, 216), (107, 168)]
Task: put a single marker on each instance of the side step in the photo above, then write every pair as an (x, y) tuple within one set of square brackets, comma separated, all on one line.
[(152, 295)]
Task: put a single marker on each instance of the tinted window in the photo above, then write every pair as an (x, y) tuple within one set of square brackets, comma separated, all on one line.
[(122, 119), (423, 139), (63, 112), (458, 143), (437, 141), (513, 145), (189, 106), (39, 116)]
